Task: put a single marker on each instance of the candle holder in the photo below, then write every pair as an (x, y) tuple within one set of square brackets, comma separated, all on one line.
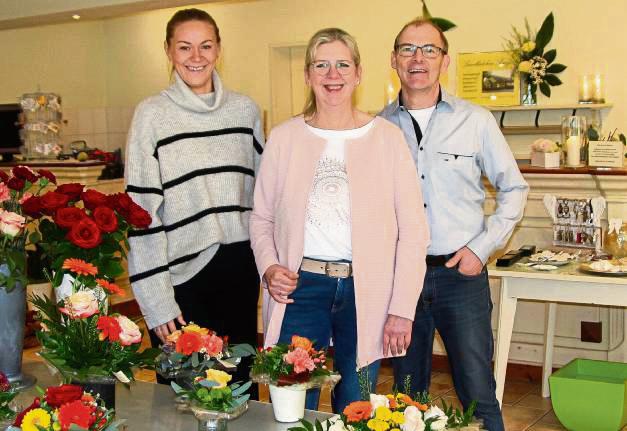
[(591, 88), (574, 140)]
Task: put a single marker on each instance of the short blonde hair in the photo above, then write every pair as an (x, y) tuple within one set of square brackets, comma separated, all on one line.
[(326, 35)]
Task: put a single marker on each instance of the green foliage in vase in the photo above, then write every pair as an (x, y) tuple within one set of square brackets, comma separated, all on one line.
[(443, 23)]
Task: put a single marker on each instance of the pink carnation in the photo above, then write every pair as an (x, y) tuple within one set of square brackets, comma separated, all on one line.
[(5, 194), (300, 359), (212, 344)]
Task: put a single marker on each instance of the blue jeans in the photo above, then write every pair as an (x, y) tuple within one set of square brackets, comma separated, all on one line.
[(324, 308), (460, 308)]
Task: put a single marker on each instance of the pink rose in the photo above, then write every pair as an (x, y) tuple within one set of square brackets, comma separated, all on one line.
[(5, 194), (212, 344), (11, 223), (81, 304), (130, 331), (300, 359)]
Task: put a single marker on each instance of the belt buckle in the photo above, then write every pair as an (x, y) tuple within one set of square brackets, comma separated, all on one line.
[(328, 269)]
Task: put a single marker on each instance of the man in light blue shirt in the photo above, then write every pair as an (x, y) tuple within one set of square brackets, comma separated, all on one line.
[(454, 143)]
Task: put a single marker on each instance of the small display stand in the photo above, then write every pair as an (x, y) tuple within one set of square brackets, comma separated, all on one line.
[(42, 123), (576, 222)]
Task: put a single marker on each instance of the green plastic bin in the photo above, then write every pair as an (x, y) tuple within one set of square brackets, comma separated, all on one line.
[(590, 395)]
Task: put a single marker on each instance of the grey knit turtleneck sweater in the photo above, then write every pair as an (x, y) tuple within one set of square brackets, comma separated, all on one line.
[(191, 163)]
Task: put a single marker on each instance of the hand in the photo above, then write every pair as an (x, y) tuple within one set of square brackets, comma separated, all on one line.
[(467, 262), (162, 331), (281, 283), (396, 335)]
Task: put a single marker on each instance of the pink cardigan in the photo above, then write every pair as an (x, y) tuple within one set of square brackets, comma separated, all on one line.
[(389, 232)]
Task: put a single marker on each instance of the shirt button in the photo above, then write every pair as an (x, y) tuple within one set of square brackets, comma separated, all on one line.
[(422, 176), (420, 148), (425, 205)]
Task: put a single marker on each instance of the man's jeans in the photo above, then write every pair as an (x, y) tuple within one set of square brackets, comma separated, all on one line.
[(324, 308), (460, 308)]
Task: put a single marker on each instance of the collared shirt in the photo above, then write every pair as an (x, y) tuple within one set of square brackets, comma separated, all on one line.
[(461, 144)]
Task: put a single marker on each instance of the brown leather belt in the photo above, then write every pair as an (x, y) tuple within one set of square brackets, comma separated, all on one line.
[(438, 260), (331, 269)]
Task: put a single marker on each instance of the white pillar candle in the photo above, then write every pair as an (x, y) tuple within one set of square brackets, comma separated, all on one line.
[(573, 148), (585, 89)]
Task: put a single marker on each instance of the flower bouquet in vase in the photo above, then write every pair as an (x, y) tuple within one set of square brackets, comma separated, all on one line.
[(66, 407), (397, 411), (289, 370), (7, 394), (16, 189), (191, 350), (212, 400)]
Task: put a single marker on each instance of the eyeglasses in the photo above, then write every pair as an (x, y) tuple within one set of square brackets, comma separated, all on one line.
[(323, 67), (428, 51)]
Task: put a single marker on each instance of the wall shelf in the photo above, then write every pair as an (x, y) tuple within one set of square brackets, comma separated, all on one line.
[(537, 128)]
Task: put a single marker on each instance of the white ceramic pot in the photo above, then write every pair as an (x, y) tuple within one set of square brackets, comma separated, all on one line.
[(288, 403)]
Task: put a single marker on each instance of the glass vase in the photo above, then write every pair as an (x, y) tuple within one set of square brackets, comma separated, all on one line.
[(528, 95)]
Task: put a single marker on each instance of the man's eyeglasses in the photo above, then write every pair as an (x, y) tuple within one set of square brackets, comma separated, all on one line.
[(323, 67), (428, 51)]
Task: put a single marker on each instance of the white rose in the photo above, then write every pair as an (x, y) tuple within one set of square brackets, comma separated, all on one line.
[(338, 425), (81, 304), (413, 420), (130, 331), (440, 424), (434, 412), (378, 401)]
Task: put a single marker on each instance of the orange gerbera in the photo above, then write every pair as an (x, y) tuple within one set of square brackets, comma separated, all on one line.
[(357, 411), (188, 343), (393, 403), (80, 267), (112, 288)]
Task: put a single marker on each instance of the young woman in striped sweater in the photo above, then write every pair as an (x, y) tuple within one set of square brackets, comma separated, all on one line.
[(192, 154)]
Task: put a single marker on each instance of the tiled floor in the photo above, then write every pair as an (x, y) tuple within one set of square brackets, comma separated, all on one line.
[(523, 407)]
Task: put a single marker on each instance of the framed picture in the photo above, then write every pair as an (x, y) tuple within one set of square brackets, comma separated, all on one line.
[(488, 78)]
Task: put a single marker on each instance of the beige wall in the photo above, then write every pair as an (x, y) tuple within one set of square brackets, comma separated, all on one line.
[(117, 62)]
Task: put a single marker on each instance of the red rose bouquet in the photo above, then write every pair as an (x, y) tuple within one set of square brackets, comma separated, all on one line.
[(67, 407), (84, 224), (15, 190)]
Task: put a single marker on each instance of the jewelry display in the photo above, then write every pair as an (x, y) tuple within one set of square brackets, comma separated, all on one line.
[(576, 222)]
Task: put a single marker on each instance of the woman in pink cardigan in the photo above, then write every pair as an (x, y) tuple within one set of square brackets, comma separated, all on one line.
[(338, 226)]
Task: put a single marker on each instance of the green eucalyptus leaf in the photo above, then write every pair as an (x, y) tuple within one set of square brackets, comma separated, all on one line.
[(550, 55), (555, 68), (545, 33), (195, 361), (545, 89), (552, 80), (176, 388), (240, 390)]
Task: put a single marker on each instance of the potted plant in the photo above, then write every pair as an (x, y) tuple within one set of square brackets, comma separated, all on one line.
[(15, 190), (289, 370), (213, 401), (66, 407)]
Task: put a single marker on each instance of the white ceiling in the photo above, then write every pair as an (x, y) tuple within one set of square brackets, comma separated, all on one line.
[(28, 13)]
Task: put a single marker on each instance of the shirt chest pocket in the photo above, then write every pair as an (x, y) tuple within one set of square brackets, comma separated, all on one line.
[(463, 163)]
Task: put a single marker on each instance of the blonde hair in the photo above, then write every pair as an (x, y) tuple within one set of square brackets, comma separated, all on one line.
[(326, 35)]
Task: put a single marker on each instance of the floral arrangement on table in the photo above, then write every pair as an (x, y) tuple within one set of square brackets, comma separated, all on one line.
[(66, 407), (529, 58), (7, 394), (211, 392), (193, 348), (80, 339), (543, 145), (396, 412), (545, 153), (294, 363), (15, 190)]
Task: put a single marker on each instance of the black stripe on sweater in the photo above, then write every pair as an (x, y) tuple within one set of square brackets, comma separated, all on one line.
[(208, 171), (149, 273), (144, 190), (184, 259), (257, 145), (206, 133), (188, 220)]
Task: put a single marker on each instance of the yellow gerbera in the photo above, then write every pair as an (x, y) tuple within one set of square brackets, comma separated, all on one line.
[(219, 377), (398, 418), (378, 425), (34, 418), (383, 413), (192, 327)]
